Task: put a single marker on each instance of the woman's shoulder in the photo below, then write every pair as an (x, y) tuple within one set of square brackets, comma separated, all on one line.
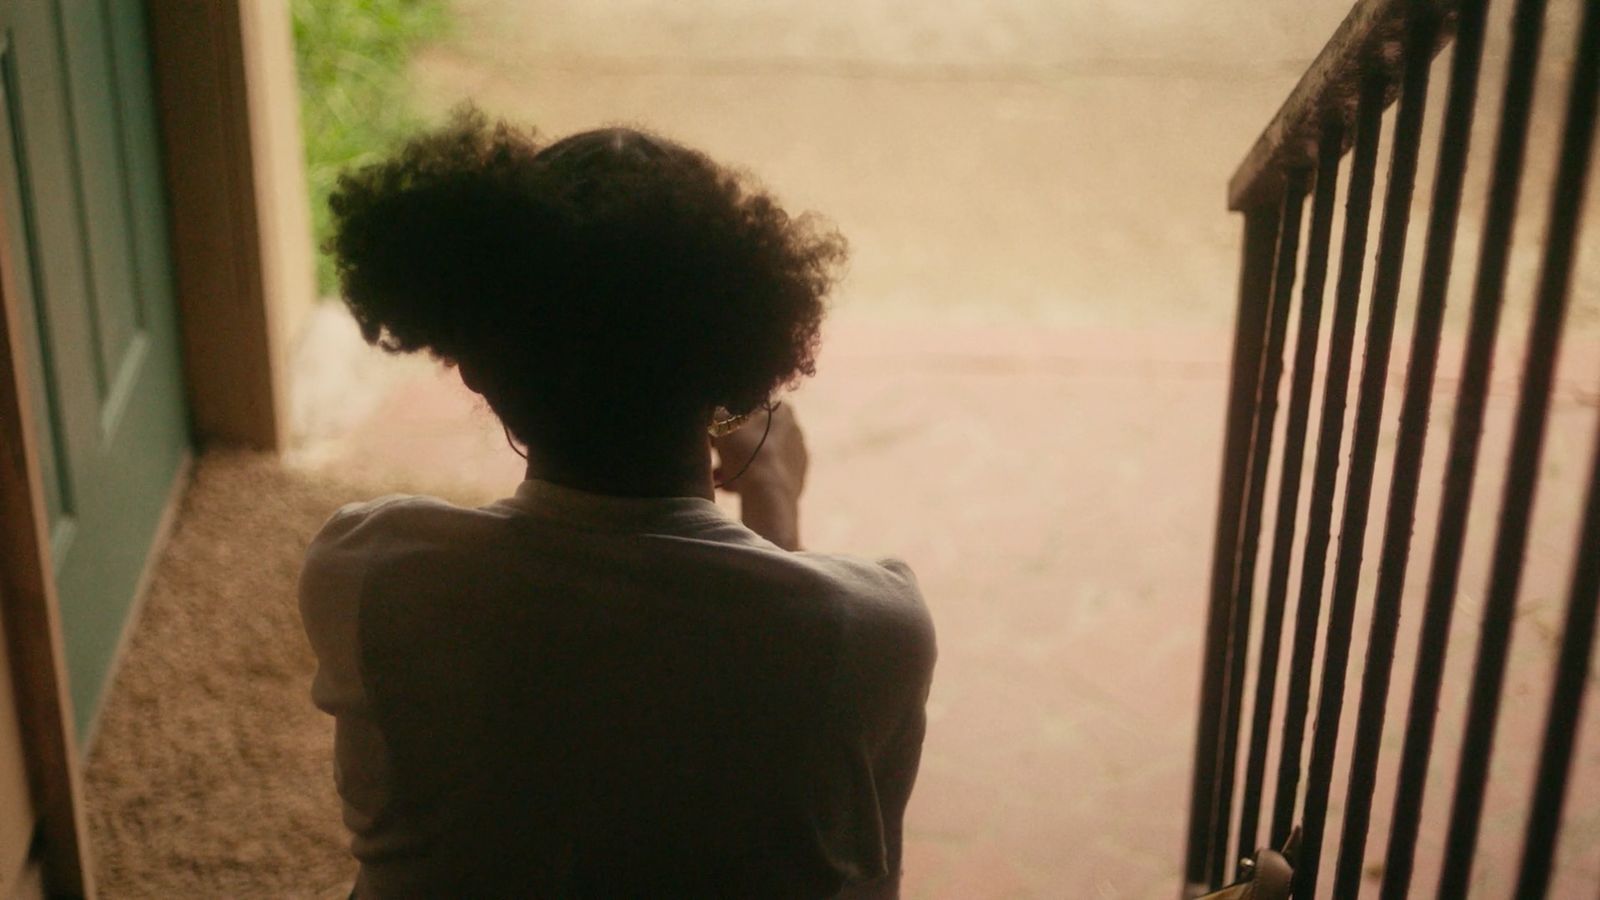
[(388, 509), (870, 581), (383, 518), (357, 535), (880, 604)]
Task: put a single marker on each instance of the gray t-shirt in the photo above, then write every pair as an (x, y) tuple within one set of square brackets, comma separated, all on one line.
[(568, 694)]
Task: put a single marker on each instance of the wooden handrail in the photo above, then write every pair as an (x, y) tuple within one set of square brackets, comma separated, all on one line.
[(1366, 42)]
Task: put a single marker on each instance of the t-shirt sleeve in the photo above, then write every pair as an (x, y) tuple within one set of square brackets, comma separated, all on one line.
[(330, 602), (889, 652)]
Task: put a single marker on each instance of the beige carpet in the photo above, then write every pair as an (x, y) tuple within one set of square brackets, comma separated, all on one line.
[(211, 772)]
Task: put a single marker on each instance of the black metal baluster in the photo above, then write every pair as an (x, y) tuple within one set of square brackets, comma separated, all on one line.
[(1417, 61), (1260, 233), (1271, 372), (1294, 446), (1465, 437), (1454, 141), (1330, 434), (1521, 485)]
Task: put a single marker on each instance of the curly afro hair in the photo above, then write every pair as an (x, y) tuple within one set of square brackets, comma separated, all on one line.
[(612, 276)]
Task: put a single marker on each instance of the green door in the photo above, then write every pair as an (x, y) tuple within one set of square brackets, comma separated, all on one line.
[(86, 233)]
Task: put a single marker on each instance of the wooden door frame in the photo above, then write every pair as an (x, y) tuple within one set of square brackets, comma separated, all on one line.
[(228, 102)]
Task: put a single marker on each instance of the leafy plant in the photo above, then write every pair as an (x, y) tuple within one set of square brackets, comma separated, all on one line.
[(353, 58)]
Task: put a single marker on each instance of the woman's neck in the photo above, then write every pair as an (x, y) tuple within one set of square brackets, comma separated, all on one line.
[(683, 472)]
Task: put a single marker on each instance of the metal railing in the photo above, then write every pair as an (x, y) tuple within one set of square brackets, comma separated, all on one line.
[(1382, 55)]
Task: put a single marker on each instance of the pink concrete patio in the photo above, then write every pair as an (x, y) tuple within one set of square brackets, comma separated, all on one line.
[(1053, 488)]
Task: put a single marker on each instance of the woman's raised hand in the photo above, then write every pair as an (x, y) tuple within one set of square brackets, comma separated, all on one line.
[(769, 476)]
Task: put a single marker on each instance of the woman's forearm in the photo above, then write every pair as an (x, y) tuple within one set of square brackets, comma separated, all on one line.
[(772, 511)]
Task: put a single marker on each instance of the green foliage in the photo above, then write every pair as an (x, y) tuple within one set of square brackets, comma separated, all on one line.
[(353, 58)]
